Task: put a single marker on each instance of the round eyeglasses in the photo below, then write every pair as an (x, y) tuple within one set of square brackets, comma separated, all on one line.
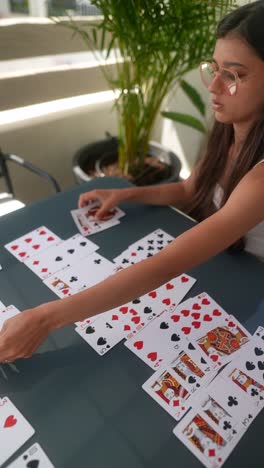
[(229, 78)]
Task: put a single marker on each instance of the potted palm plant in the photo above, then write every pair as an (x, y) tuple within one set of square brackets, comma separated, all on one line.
[(155, 42)]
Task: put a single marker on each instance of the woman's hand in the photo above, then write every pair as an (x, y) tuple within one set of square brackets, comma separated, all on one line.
[(22, 335), (109, 199)]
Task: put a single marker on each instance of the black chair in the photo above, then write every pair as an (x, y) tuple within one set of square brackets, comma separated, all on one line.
[(8, 202)]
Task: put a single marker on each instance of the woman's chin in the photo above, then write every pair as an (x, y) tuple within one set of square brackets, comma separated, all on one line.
[(221, 117)]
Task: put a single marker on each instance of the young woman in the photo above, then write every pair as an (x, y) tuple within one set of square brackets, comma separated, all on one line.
[(224, 193)]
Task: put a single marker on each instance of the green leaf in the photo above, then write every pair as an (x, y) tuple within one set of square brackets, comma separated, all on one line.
[(185, 119), (193, 95)]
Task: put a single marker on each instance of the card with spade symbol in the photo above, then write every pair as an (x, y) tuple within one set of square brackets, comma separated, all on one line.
[(103, 333), (259, 333), (139, 312), (15, 430), (7, 313), (169, 391), (245, 373), (158, 342), (201, 437), (64, 254), (34, 457), (144, 248), (189, 368), (84, 274), (32, 243)]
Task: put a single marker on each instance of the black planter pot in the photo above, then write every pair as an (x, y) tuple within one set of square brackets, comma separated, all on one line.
[(92, 156)]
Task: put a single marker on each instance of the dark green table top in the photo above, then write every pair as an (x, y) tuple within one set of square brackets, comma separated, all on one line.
[(88, 410)]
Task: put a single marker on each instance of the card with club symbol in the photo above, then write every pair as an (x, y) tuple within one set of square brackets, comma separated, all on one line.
[(89, 271), (144, 248), (210, 409), (34, 457), (32, 243), (64, 254), (15, 430), (245, 373)]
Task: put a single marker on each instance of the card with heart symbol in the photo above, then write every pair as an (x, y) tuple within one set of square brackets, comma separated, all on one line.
[(158, 342), (87, 225), (34, 457), (139, 312), (32, 243), (64, 254), (15, 430)]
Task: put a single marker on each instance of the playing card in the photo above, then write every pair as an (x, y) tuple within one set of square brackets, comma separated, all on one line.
[(64, 254), (2, 306), (210, 409), (239, 373), (222, 340), (7, 313), (200, 437), (91, 270), (231, 399), (87, 225), (31, 243), (144, 248), (103, 333), (15, 430), (158, 342), (169, 391), (139, 312), (34, 457), (259, 333), (188, 367)]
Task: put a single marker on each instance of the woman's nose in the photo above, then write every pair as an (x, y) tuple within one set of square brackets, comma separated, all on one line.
[(216, 85)]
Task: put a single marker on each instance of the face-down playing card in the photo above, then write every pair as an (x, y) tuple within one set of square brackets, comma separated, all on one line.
[(14, 429), (32, 243), (62, 255)]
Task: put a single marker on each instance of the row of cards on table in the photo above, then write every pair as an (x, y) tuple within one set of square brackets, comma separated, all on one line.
[(186, 343)]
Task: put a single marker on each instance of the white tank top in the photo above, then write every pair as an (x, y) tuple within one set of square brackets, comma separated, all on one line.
[(255, 237)]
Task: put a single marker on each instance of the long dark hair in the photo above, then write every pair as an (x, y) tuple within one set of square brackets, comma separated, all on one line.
[(245, 22)]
